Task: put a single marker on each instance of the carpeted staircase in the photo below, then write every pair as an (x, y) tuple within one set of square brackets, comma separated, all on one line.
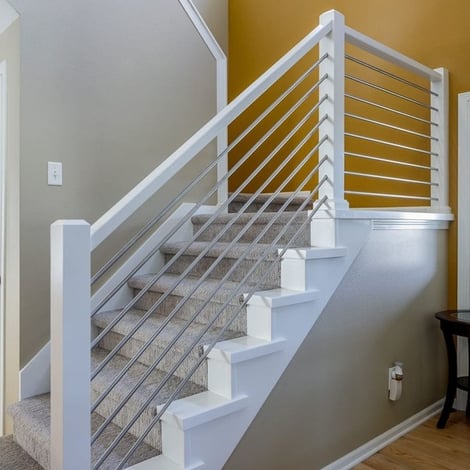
[(32, 416)]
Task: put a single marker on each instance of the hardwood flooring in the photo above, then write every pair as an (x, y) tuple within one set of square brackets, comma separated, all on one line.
[(427, 448)]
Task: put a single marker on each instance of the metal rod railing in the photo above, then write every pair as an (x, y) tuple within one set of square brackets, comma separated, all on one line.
[(226, 203), (389, 74), (390, 178), (387, 160), (121, 252), (195, 342), (390, 126), (399, 196), (210, 346), (389, 92), (386, 108), (392, 144), (194, 263)]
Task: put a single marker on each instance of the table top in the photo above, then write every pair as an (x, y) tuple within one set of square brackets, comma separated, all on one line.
[(454, 316)]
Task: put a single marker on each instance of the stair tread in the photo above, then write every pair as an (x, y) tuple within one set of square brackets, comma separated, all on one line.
[(36, 413), (206, 289), (236, 251), (117, 363), (154, 322), (263, 218)]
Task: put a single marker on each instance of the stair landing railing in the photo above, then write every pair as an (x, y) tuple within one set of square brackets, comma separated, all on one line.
[(73, 242)]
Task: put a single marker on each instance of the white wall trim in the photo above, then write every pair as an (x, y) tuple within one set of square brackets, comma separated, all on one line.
[(3, 148), (375, 445), (463, 231), (7, 15), (403, 224), (35, 375)]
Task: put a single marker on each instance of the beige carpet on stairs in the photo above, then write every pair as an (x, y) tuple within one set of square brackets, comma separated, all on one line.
[(13, 457)]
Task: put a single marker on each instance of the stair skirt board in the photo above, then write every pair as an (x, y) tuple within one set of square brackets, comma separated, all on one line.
[(202, 427)]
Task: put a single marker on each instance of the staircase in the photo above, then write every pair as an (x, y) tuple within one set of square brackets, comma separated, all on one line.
[(256, 335), (194, 320)]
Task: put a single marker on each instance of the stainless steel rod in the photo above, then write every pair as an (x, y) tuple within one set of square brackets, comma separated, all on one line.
[(392, 144), (206, 274), (400, 196), (105, 268), (169, 374), (209, 347), (194, 263), (390, 75), (389, 92), (390, 178), (392, 110), (387, 160), (234, 194), (390, 126)]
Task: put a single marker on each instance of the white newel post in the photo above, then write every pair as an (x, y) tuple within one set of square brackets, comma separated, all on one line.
[(70, 345), (441, 146), (324, 228)]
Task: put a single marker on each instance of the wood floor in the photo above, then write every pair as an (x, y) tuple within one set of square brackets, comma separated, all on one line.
[(427, 448)]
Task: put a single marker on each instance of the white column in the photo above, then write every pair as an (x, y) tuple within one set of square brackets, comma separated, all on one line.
[(441, 147), (333, 127), (222, 138), (70, 345)]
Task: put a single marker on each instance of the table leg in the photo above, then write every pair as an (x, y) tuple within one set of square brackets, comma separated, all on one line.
[(451, 380), (467, 410)]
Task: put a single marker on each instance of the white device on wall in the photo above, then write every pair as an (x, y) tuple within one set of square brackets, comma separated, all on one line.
[(395, 381)]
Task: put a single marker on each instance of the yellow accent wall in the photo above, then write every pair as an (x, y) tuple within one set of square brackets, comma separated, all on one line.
[(432, 32)]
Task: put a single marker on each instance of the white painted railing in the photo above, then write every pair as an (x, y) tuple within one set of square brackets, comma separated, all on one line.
[(72, 242)]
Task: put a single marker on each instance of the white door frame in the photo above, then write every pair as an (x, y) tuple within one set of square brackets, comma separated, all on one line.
[(3, 134), (463, 242)]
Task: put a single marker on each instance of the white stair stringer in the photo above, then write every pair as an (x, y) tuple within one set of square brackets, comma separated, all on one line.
[(201, 431)]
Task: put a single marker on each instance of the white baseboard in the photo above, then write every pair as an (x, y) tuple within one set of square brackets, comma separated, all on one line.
[(375, 445)]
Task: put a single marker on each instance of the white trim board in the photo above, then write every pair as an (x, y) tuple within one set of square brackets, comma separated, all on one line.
[(7, 15), (375, 445), (3, 148), (463, 235)]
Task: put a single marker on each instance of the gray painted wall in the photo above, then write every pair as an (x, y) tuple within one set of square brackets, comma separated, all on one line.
[(333, 396), (109, 88)]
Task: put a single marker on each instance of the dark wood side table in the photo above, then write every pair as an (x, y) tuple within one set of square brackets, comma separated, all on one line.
[(454, 322)]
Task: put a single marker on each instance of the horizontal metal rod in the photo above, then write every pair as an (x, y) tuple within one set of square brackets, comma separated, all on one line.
[(200, 336), (389, 92), (392, 144), (390, 126), (400, 196), (392, 110), (209, 347), (390, 178), (390, 74), (387, 160), (122, 251)]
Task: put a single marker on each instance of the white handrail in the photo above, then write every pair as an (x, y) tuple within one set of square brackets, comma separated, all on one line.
[(222, 85), (371, 45), (124, 208)]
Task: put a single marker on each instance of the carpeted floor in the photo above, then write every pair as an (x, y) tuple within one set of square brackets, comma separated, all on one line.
[(13, 457)]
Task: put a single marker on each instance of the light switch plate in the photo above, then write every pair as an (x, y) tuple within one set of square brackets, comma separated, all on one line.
[(54, 173)]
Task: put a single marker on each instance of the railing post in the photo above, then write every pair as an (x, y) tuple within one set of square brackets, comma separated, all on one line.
[(70, 345), (333, 127), (323, 228), (441, 146)]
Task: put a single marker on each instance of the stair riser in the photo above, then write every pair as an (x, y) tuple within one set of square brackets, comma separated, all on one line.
[(28, 440), (188, 310), (148, 358), (272, 207), (272, 280), (108, 405), (229, 234)]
